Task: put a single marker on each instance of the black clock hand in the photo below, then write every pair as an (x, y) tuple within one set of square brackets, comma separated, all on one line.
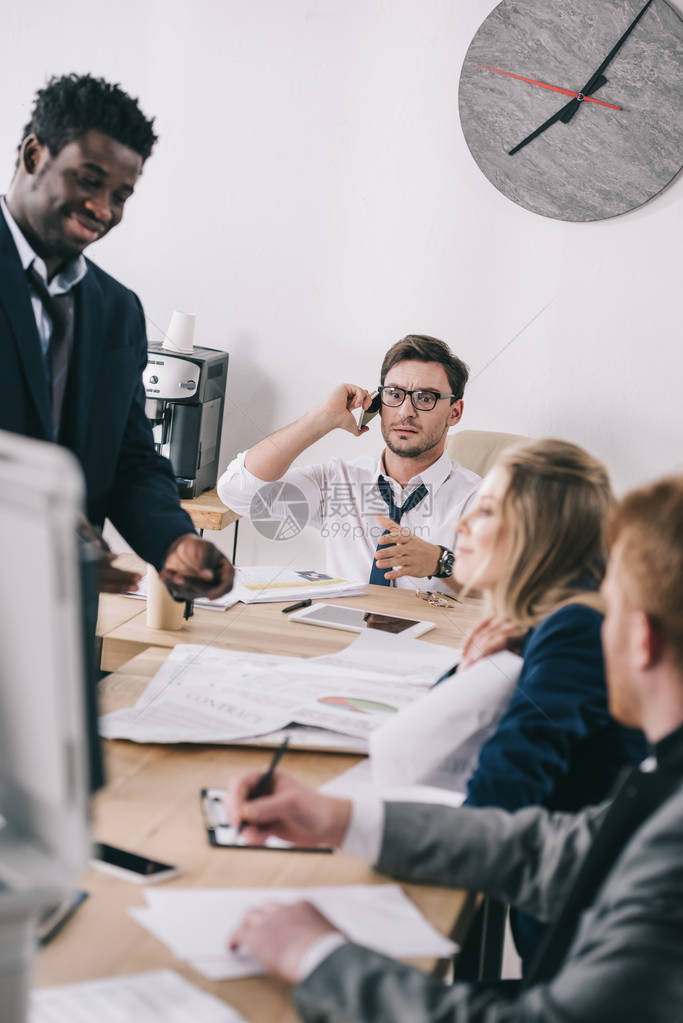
[(608, 59), (572, 107), (558, 116)]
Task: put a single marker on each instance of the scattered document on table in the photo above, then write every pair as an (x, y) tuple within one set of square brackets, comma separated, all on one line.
[(267, 583), (303, 737), (358, 782), (438, 741), (261, 584), (204, 694), (219, 604), (195, 924), (157, 996), (394, 657)]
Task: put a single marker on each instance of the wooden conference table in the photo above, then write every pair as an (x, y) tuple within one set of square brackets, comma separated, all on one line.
[(151, 802)]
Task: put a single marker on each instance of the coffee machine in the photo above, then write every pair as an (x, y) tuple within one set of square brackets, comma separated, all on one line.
[(185, 396)]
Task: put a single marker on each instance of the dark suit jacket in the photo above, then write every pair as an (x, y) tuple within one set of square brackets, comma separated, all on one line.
[(104, 422), (556, 745)]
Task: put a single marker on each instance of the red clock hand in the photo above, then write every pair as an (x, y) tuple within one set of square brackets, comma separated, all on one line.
[(554, 88)]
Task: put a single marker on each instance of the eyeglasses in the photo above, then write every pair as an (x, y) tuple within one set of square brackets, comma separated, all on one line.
[(437, 599), (423, 401)]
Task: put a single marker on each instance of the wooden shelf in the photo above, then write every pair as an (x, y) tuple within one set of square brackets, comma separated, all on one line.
[(208, 511)]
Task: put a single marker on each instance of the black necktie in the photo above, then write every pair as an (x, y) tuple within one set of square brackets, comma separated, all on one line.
[(640, 794), (395, 514), (60, 310)]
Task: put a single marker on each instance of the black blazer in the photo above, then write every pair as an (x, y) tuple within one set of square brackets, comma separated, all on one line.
[(104, 422)]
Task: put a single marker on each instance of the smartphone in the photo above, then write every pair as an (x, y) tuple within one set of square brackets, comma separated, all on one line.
[(129, 866), (370, 412)]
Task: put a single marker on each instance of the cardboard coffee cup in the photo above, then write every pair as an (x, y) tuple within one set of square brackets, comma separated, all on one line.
[(163, 612)]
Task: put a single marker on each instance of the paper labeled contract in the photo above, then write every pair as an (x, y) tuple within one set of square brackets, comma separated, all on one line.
[(203, 694), (157, 996), (196, 923)]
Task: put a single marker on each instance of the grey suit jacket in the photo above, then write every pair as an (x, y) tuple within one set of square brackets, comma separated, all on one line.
[(626, 960)]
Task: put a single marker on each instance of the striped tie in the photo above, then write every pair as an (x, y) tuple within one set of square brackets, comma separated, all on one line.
[(60, 310), (377, 576)]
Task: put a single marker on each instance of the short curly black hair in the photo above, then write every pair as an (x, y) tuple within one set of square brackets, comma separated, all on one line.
[(70, 105)]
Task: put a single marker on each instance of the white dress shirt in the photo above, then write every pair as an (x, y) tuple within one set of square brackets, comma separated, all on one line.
[(62, 283), (344, 500)]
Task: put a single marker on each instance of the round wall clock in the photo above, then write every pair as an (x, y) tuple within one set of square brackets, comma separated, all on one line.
[(575, 110)]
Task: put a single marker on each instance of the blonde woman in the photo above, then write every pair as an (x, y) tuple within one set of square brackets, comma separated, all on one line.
[(534, 544)]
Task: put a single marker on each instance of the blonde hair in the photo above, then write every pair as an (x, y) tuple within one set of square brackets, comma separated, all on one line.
[(648, 524), (557, 501)]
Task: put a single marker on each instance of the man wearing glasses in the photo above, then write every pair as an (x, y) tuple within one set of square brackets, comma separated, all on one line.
[(391, 519)]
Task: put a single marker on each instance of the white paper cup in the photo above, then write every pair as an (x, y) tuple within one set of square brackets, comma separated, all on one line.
[(180, 333), (163, 612)]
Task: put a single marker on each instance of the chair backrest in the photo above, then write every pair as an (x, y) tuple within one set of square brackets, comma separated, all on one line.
[(478, 449)]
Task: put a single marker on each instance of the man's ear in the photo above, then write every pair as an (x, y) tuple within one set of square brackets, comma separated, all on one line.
[(455, 414), (31, 152), (647, 641)]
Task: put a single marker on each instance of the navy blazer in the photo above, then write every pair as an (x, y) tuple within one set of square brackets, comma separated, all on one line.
[(556, 745), (104, 422)]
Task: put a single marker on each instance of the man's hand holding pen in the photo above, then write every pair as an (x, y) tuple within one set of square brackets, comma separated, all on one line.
[(280, 935), (291, 811)]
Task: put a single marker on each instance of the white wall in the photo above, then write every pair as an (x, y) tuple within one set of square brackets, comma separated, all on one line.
[(312, 199)]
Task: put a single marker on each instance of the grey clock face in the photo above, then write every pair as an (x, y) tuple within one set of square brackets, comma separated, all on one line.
[(604, 161)]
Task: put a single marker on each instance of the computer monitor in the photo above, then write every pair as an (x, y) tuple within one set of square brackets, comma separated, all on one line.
[(43, 733)]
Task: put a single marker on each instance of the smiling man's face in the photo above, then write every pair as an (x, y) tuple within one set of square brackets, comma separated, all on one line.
[(74, 198), (407, 432)]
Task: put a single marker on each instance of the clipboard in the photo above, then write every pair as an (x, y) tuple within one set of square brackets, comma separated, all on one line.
[(223, 835)]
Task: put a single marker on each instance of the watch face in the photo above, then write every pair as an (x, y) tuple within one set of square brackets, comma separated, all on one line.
[(446, 562), (575, 110)]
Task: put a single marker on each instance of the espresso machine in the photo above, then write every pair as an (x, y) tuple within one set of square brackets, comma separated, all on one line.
[(185, 396)]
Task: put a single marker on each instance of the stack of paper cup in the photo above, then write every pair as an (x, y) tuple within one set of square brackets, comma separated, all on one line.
[(180, 333), (163, 612)]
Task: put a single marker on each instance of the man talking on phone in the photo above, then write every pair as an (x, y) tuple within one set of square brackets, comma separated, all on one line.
[(388, 519)]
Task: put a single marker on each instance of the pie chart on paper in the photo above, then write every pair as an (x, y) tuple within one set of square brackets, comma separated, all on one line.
[(357, 706)]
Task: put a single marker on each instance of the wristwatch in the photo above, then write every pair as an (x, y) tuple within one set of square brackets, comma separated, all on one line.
[(444, 568)]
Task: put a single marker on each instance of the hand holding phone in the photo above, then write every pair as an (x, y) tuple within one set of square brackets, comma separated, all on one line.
[(367, 415)]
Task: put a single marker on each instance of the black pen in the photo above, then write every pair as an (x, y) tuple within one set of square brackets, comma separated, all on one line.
[(295, 607), (265, 782)]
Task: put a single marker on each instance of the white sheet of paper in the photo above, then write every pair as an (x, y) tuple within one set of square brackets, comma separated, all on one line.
[(358, 782), (394, 657), (196, 923), (157, 996), (219, 604), (202, 694), (437, 742), (260, 584), (205, 694), (265, 583), (303, 737)]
